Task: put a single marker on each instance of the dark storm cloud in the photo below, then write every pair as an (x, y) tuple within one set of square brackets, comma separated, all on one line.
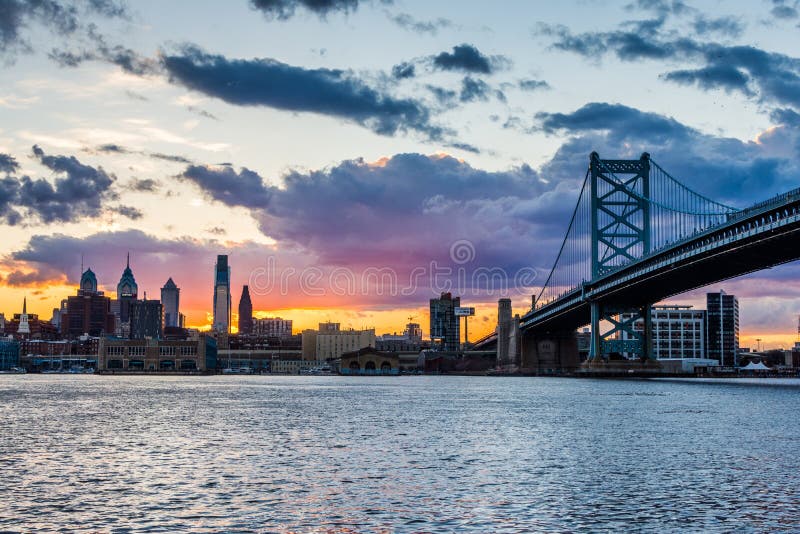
[(786, 116), (8, 164), (285, 9), (473, 89), (128, 211), (78, 191), (769, 77), (435, 200), (465, 57), (169, 157), (225, 185), (661, 7), (432, 27), (445, 97), (62, 17), (99, 50), (404, 70), (267, 82), (112, 148), (725, 169), (57, 256), (725, 26), (725, 77), (603, 116), (533, 85), (144, 185), (781, 9)]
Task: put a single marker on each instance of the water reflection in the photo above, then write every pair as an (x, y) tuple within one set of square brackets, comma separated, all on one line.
[(404, 453)]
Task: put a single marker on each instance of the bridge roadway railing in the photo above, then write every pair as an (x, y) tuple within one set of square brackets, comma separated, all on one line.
[(763, 217)]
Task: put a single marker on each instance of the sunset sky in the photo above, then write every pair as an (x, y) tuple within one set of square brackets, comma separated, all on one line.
[(346, 153)]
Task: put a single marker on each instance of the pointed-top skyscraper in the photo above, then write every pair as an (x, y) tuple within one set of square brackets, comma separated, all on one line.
[(245, 312), (170, 299), (127, 291)]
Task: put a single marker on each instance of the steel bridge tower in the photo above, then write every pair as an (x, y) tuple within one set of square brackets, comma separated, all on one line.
[(620, 233)]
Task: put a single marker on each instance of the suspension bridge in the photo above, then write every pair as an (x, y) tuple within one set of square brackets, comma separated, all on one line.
[(638, 235)]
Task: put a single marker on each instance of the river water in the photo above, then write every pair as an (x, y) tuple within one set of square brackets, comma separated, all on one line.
[(404, 454)]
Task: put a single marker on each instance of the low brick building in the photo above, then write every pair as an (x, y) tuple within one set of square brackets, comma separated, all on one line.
[(151, 355)]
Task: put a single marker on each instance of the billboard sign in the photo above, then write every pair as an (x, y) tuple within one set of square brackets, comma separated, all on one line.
[(464, 312)]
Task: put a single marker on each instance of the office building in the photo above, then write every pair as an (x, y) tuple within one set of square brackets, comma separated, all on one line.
[(273, 327), (222, 295), (445, 326), (127, 292), (9, 354), (170, 300), (146, 319), (678, 332), (245, 312), (413, 332), (88, 312), (330, 342), (143, 355), (722, 328)]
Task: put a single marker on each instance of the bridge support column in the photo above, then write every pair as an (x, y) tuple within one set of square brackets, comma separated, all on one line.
[(647, 345), (549, 353), (594, 343), (625, 338)]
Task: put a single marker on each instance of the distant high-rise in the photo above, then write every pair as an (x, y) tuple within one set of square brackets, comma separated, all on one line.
[(445, 326), (88, 312), (273, 326), (722, 328), (127, 291), (245, 312), (413, 332), (170, 300), (146, 319), (222, 294)]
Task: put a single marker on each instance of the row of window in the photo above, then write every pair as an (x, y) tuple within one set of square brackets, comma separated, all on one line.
[(168, 350)]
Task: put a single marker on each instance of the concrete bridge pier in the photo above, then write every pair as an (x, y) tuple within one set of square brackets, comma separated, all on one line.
[(549, 352)]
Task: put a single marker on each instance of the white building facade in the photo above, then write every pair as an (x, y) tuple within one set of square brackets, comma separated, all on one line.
[(678, 332)]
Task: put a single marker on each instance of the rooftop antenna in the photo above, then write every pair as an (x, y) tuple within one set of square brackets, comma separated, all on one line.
[(81, 273)]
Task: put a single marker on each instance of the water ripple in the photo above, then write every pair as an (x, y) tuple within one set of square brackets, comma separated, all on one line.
[(409, 454)]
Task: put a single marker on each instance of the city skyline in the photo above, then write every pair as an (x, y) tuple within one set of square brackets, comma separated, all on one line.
[(442, 131)]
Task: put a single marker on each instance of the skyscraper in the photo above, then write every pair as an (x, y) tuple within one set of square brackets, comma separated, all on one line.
[(127, 291), (245, 312), (88, 312), (170, 300), (722, 329), (222, 294), (445, 326), (146, 318)]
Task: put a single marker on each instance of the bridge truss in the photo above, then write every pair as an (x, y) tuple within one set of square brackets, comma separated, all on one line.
[(627, 210)]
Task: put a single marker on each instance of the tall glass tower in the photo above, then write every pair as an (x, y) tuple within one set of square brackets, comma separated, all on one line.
[(170, 299), (245, 312), (222, 295)]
